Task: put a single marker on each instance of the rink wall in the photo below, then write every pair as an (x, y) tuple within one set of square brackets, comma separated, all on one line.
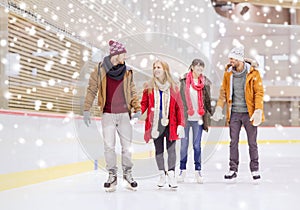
[(36, 147)]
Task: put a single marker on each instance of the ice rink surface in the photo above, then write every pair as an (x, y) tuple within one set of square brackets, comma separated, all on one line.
[(279, 188)]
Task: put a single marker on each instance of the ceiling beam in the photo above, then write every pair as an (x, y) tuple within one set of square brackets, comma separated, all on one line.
[(272, 3)]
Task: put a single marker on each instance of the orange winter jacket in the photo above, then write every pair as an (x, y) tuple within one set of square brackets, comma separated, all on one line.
[(254, 91)]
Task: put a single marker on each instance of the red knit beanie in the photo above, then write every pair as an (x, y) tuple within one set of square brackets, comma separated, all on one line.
[(116, 48)]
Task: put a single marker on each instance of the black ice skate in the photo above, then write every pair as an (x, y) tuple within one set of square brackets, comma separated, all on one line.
[(256, 177), (231, 175), (131, 184), (111, 183)]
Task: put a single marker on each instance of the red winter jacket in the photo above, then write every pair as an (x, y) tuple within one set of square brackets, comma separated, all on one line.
[(176, 116)]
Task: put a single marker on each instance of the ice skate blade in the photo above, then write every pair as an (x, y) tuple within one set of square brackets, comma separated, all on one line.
[(180, 179), (256, 181), (173, 187), (199, 181), (161, 185), (111, 189), (129, 187), (231, 181)]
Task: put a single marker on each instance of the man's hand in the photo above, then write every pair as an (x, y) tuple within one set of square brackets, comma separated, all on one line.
[(135, 117), (256, 117)]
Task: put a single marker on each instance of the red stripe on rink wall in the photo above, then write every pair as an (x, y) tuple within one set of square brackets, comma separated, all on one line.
[(51, 115)]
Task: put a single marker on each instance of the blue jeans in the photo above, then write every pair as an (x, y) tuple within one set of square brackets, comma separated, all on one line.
[(197, 135)]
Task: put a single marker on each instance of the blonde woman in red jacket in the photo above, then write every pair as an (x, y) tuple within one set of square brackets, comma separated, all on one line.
[(161, 97)]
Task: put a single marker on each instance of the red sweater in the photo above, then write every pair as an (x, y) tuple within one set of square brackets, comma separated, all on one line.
[(115, 99)]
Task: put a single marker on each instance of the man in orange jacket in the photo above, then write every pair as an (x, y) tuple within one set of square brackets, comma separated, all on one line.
[(242, 91)]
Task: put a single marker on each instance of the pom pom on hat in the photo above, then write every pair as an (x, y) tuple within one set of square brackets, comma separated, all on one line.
[(237, 53), (116, 48), (111, 42)]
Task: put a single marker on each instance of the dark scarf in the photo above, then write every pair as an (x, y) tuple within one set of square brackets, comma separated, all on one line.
[(115, 72)]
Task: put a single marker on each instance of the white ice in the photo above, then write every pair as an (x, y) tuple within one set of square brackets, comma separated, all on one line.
[(279, 187)]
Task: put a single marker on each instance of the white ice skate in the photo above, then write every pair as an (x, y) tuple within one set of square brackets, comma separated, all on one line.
[(172, 180), (111, 184), (181, 176), (162, 178), (198, 177), (130, 183)]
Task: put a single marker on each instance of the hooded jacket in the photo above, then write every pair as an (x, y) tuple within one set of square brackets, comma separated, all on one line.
[(254, 91)]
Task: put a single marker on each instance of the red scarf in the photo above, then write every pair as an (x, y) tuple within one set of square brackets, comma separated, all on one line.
[(198, 87)]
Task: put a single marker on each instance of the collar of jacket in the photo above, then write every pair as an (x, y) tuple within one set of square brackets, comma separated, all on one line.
[(249, 68), (116, 72)]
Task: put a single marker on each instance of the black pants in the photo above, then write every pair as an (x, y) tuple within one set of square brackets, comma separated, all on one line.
[(159, 149)]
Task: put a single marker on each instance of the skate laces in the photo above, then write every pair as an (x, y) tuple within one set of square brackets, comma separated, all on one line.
[(182, 173), (198, 173), (111, 178), (230, 173), (128, 177), (162, 176)]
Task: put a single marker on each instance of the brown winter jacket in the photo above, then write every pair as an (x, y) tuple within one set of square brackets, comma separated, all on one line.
[(98, 84), (206, 100), (254, 91)]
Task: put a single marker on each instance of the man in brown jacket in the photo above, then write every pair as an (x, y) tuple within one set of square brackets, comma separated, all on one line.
[(112, 80), (242, 91)]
